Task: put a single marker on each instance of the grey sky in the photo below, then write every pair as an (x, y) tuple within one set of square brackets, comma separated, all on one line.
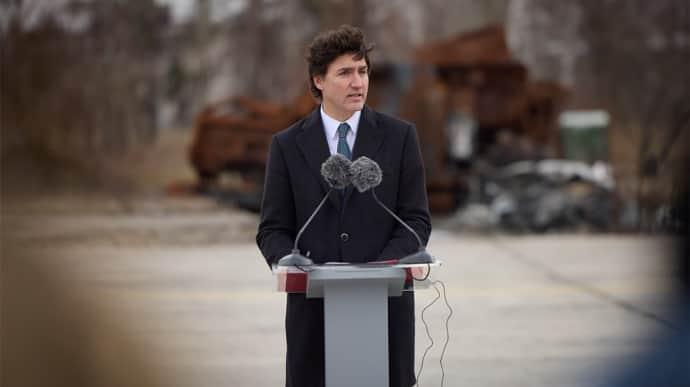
[(220, 9), (180, 9)]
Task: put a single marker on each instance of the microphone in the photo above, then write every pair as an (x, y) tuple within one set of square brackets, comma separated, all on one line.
[(366, 174), (336, 171)]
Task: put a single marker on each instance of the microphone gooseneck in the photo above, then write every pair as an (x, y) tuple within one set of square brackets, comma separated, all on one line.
[(313, 214), (336, 171), (419, 241), (366, 174)]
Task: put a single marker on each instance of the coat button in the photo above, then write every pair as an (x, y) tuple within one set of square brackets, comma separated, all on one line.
[(344, 237)]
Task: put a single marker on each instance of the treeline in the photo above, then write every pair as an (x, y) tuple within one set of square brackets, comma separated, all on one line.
[(83, 78)]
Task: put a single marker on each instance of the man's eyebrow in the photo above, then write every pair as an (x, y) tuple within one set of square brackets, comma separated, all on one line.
[(345, 68), (350, 68)]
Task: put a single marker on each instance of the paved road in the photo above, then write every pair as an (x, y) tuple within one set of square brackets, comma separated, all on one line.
[(188, 284)]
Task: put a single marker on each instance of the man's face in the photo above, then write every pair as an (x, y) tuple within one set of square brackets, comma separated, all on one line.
[(344, 86)]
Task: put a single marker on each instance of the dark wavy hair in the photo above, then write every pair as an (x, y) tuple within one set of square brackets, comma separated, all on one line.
[(329, 45)]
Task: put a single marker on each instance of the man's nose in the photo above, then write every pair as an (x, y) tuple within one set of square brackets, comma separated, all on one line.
[(357, 81)]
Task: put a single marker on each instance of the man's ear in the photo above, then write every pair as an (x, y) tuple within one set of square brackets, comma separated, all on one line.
[(318, 81)]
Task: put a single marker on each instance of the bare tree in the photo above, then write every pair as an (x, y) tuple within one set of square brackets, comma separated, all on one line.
[(637, 68), (79, 80)]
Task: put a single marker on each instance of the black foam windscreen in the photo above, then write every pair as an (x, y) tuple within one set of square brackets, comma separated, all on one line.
[(336, 171), (366, 174)]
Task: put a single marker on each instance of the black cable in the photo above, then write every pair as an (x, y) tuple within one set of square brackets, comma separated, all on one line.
[(304, 271), (428, 271), (426, 328), (450, 313)]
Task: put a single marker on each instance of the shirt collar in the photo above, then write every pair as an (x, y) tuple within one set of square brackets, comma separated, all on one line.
[(330, 124)]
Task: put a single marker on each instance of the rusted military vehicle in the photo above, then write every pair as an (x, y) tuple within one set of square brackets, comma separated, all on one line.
[(233, 135), (471, 76)]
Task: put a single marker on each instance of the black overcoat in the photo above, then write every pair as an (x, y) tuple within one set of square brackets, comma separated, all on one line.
[(350, 227)]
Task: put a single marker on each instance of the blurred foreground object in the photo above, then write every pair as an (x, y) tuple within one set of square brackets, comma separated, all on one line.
[(53, 334), (666, 362)]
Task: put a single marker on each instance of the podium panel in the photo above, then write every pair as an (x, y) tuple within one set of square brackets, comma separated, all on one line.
[(356, 335), (356, 321)]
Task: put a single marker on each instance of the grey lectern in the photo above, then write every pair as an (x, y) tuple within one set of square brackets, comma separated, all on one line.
[(355, 315), (356, 321)]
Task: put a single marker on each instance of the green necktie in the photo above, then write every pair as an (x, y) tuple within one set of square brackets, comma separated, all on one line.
[(343, 148)]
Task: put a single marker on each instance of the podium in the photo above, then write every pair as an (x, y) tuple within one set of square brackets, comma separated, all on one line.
[(355, 315)]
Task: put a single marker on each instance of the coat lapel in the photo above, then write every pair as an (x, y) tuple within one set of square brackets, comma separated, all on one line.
[(369, 136), (314, 147), (368, 142)]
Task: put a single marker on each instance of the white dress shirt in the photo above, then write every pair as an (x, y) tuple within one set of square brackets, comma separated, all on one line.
[(330, 126)]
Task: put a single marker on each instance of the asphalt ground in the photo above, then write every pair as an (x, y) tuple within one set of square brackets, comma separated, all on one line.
[(181, 286)]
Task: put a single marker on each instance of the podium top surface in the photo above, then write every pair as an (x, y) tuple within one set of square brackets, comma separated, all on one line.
[(352, 267), (295, 279)]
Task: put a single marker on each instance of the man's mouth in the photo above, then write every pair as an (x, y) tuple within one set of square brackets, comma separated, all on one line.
[(355, 95)]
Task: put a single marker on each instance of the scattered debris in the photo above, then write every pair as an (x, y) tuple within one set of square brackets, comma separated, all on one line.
[(537, 196)]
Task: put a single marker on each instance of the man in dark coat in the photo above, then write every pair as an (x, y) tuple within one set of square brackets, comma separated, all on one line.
[(350, 227)]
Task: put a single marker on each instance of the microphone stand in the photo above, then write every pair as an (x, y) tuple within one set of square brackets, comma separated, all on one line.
[(295, 258), (421, 256)]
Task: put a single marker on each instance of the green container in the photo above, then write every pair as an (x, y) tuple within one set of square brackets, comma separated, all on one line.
[(584, 135)]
